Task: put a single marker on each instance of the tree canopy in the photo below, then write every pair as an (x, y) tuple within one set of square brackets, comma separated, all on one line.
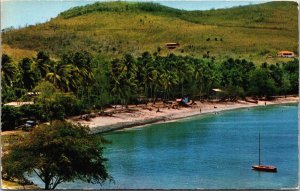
[(83, 81), (58, 153)]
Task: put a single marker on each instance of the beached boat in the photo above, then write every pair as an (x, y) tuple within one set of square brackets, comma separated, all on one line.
[(260, 167)]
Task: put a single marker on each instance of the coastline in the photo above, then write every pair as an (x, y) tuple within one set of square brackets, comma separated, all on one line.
[(142, 115), (139, 116)]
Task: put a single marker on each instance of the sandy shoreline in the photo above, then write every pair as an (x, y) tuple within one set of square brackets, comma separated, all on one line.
[(140, 116), (143, 115)]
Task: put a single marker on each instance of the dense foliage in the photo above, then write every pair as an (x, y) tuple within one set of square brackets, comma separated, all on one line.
[(120, 7), (57, 153), (79, 80), (10, 118)]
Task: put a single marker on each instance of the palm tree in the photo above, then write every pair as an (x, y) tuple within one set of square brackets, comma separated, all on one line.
[(115, 79), (42, 63), (80, 72), (198, 75), (60, 75), (28, 76), (8, 70), (211, 76), (184, 71), (167, 80), (82, 60), (146, 71), (128, 77)]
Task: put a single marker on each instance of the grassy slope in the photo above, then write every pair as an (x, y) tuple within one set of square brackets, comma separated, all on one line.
[(17, 53), (251, 32)]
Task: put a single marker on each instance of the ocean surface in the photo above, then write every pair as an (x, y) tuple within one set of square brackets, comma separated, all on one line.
[(209, 151), (19, 13)]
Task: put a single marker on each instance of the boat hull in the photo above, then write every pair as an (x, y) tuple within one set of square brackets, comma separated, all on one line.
[(264, 168)]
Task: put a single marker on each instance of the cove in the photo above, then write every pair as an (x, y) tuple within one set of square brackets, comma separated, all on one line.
[(210, 152)]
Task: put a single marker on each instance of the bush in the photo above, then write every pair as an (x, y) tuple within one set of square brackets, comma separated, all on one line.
[(233, 93), (71, 105), (34, 112), (11, 118)]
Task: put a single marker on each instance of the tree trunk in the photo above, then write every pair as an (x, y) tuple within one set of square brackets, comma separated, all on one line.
[(151, 90), (200, 93), (181, 88), (47, 183)]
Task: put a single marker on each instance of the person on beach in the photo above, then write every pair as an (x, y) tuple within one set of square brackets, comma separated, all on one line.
[(265, 103), (200, 110)]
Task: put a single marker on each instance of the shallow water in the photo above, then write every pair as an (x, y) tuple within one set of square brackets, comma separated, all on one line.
[(211, 151)]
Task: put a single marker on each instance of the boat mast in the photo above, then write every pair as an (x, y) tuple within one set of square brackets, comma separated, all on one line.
[(259, 147)]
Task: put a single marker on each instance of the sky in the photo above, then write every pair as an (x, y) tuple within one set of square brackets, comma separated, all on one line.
[(19, 13)]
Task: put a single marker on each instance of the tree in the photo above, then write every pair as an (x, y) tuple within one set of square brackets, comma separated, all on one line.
[(82, 70), (292, 69), (58, 153), (60, 75), (211, 77), (28, 76), (48, 101), (285, 84), (261, 83), (167, 80), (115, 79), (42, 63), (8, 70), (198, 76), (10, 118), (182, 72), (236, 72), (124, 82)]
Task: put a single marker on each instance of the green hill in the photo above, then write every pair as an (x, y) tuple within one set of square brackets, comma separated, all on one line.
[(253, 32)]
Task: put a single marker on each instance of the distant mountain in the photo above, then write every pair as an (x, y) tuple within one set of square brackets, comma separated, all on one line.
[(114, 28)]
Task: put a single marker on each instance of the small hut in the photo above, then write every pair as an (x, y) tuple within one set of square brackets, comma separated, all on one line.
[(216, 93), (286, 54), (172, 45)]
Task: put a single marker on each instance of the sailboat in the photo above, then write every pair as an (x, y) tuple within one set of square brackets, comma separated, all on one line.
[(260, 167)]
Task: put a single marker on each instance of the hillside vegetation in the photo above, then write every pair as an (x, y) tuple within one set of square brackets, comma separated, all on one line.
[(252, 32)]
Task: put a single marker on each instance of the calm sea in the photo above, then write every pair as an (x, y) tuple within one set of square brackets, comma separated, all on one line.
[(211, 151), (19, 13)]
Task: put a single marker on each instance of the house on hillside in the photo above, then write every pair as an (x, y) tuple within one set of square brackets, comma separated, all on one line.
[(172, 45), (286, 54)]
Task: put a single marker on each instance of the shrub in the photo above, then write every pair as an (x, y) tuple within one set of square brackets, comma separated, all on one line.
[(10, 118), (70, 104), (32, 112)]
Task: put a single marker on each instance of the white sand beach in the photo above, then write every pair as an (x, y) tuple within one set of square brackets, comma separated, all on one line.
[(148, 114)]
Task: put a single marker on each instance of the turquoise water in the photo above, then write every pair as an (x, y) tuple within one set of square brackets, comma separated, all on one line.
[(212, 151), (19, 13)]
